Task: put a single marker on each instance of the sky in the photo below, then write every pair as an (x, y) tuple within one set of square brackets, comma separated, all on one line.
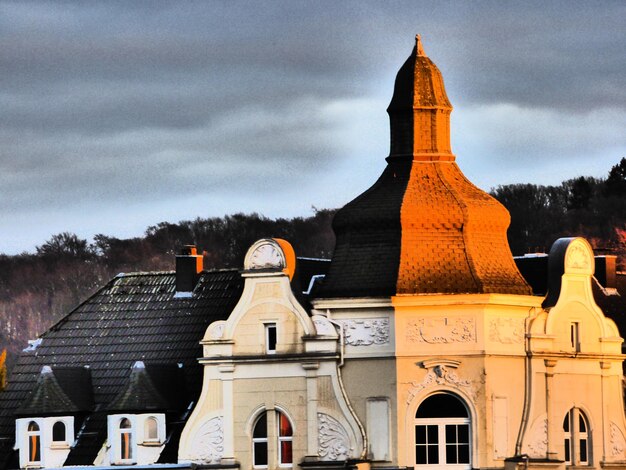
[(115, 116)]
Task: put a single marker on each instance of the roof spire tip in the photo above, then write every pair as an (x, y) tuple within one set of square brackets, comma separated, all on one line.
[(418, 45)]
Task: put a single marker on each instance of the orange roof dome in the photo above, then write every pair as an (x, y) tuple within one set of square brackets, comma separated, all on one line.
[(422, 227)]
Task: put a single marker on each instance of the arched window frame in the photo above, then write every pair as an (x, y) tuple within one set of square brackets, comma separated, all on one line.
[(126, 439), (272, 432), (59, 427), (438, 427), (151, 429), (260, 444), (33, 436), (576, 438), (284, 432)]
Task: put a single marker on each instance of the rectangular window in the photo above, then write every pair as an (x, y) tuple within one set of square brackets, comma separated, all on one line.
[(574, 336), (270, 338)]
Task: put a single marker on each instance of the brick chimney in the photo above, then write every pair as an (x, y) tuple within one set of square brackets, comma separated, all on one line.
[(188, 268)]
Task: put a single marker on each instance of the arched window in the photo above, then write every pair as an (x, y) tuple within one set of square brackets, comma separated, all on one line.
[(58, 432), (271, 449), (126, 435), (259, 442), (34, 442), (442, 432), (151, 429), (285, 440), (576, 438)]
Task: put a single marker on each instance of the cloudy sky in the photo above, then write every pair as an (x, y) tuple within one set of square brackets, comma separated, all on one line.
[(118, 115)]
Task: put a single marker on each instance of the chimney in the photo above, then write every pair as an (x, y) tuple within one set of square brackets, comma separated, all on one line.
[(188, 268), (605, 271)]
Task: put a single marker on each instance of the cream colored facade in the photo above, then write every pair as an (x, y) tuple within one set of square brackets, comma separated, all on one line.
[(351, 377)]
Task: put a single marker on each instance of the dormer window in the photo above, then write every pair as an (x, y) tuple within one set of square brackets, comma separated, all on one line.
[(33, 434), (59, 433), (270, 338), (151, 430), (126, 439)]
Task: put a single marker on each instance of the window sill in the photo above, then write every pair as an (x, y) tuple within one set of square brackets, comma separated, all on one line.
[(151, 443), (60, 445)]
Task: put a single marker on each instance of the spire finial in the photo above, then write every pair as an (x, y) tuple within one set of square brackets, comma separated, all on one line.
[(418, 45)]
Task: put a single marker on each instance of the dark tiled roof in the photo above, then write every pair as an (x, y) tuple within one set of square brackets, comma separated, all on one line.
[(367, 251), (50, 398), (151, 388), (135, 317)]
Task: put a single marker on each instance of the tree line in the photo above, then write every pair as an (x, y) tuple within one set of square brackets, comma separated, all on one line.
[(594, 208), (37, 289)]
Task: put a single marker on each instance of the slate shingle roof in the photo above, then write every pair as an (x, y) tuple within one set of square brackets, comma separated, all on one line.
[(422, 228), (135, 317)]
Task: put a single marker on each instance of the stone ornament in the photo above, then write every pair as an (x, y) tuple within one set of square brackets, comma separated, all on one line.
[(216, 329), (618, 443), (363, 332), (265, 256), (579, 257), (323, 327), (333, 440), (208, 443), (441, 374), (506, 330), (441, 330)]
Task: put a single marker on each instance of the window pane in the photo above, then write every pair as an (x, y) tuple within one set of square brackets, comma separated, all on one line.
[(567, 451), (260, 428), (442, 405), (125, 446), (34, 451), (451, 453), (125, 424), (566, 423), (284, 426), (433, 434), (450, 433), (420, 434), (463, 433), (582, 427), (433, 454), (58, 431), (32, 426), (285, 452), (464, 454), (583, 450), (420, 455), (260, 453), (151, 429)]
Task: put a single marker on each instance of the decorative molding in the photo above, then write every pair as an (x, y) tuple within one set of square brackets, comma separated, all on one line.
[(577, 257), (438, 375), (216, 329), (618, 443), (361, 332), (333, 440), (506, 330), (442, 330), (208, 444), (538, 440), (266, 256), (323, 327)]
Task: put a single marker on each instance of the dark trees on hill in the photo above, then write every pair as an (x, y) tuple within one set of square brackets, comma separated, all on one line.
[(584, 206)]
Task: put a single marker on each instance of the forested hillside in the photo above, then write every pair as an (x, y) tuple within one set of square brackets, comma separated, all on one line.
[(36, 289), (589, 207)]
